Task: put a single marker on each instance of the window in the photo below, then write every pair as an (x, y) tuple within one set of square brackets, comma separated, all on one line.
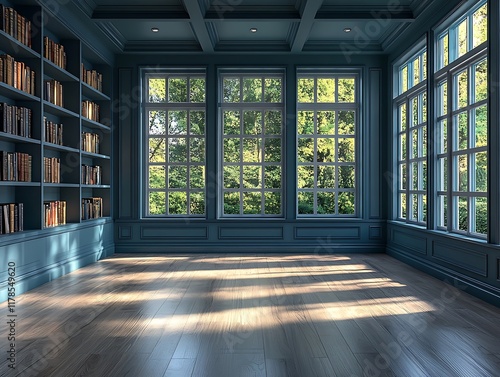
[(251, 117), (411, 107), (327, 118), (174, 118), (461, 90), (469, 32)]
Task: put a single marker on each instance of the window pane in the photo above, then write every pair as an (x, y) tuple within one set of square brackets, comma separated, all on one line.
[(272, 90), (252, 122), (346, 203), (402, 117), (272, 203), (272, 150), (443, 174), (326, 149), (252, 177), (404, 79), (403, 175), (197, 177), (231, 122), (402, 147), (305, 177), (462, 38), (252, 90), (197, 122), (252, 203), (326, 90), (305, 123), (197, 93), (177, 150), (326, 122), (157, 90), (442, 211), (481, 169), (305, 203), (231, 177), (326, 203), (177, 122), (157, 204), (157, 177), (306, 150), (157, 122), (461, 95), (481, 81), (346, 176), (197, 203), (231, 203), (272, 177), (463, 218), (481, 215), (346, 122), (305, 90), (177, 177), (347, 90), (252, 150), (462, 173), (480, 26), (444, 47), (423, 106), (414, 176), (481, 126), (424, 65), (346, 150), (232, 150), (463, 128), (273, 122), (416, 71), (414, 207), (197, 150), (157, 150), (231, 90), (414, 144), (177, 203), (443, 136), (402, 206), (414, 112), (443, 98), (177, 90), (326, 177)]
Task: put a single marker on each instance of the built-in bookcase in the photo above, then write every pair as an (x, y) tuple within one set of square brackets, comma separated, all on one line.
[(68, 113)]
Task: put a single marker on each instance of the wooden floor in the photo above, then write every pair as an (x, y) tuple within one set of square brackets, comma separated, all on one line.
[(252, 315)]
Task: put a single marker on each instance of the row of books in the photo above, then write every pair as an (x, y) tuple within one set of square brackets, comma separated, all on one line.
[(53, 132), (91, 175), (91, 208), (91, 110), (11, 218), (15, 120), (17, 74), (15, 166), (51, 170), (54, 52), (54, 213), (91, 77), (90, 142), (16, 25), (54, 92)]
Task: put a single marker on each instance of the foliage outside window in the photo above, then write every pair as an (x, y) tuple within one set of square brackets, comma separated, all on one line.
[(327, 117), (411, 107), (174, 115), (462, 127), (251, 116)]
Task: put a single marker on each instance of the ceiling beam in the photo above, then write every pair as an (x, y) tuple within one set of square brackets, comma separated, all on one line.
[(141, 12), (306, 23), (198, 25), (252, 13), (384, 13)]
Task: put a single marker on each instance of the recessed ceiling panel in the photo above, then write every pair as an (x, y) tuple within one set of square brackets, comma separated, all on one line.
[(360, 30), (247, 3), (368, 3), (141, 30), (137, 2), (241, 31)]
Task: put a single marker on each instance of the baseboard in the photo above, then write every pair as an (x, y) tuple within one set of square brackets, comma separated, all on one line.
[(469, 285), (53, 271)]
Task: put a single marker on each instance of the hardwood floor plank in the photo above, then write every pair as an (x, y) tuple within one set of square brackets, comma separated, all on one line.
[(238, 315)]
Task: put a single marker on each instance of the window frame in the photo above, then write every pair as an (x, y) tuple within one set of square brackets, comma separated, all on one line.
[(405, 97), (336, 106), (242, 73), (146, 107)]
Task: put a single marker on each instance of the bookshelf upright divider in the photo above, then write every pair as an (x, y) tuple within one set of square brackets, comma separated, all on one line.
[(61, 152)]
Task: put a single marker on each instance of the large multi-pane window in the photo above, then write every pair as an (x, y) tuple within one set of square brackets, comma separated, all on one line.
[(174, 115), (411, 107), (461, 92), (251, 118), (327, 117)]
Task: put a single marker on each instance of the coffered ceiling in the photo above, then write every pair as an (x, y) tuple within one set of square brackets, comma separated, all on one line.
[(213, 26)]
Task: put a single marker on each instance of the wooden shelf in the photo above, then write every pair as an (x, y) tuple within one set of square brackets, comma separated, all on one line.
[(16, 94), (96, 186), (58, 110), (18, 139), (92, 93), (56, 72), (12, 46), (95, 155), (62, 185), (93, 124), (17, 183), (62, 148)]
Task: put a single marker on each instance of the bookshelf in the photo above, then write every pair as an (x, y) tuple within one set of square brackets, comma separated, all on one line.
[(67, 73)]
